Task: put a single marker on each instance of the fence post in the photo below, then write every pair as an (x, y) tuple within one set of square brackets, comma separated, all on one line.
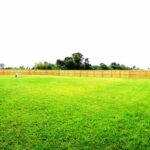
[(129, 74), (111, 73)]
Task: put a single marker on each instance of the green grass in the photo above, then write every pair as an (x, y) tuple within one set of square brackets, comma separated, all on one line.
[(43, 112)]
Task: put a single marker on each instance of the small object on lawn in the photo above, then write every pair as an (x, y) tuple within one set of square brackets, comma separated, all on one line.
[(16, 75)]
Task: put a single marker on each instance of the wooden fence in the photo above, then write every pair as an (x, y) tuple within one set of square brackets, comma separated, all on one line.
[(83, 73)]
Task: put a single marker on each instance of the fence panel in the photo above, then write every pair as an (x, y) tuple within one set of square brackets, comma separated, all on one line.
[(83, 73)]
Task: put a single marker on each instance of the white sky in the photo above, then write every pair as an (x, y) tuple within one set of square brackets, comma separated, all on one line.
[(103, 30)]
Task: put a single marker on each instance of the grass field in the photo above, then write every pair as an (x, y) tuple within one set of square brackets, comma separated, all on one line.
[(43, 112)]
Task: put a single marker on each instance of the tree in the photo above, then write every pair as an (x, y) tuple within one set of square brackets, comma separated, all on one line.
[(103, 66), (117, 66), (87, 65), (2, 66), (114, 66), (21, 67), (135, 68), (73, 62), (9, 68), (60, 64), (123, 67), (77, 62), (69, 63), (46, 66), (78, 59), (95, 67)]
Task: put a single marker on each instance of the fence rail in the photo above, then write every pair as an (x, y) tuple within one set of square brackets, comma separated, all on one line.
[(83, 73)]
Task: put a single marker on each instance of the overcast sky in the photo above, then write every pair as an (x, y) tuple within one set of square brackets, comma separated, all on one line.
[(102, 30)]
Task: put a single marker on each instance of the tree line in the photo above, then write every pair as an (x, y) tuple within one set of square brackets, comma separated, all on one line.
[(74, 62)]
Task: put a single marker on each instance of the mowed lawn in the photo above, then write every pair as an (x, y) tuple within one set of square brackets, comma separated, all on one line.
[(44, 112)]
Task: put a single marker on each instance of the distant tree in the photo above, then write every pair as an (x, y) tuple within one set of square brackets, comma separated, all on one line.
[(60, 64), (28, 68), (117, 66), (103, 66), (38, 65), (78, 59), (96, 67), (135, 68), (9, 68), (63, 67), (123, 67), (47, 65), (21, 67), (2, 66), (73, 62), (69, 63), (113, 66), (87, 65), (44, 66)]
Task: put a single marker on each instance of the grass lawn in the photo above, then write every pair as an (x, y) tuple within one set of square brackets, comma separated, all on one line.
[(44, 112)]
